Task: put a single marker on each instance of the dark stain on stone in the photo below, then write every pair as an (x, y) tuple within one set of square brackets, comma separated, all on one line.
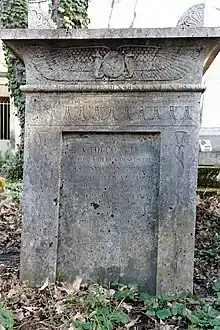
[(95, 205)]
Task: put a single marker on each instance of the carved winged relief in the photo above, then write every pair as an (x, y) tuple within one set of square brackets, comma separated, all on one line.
[(144, 63), (138, 63)]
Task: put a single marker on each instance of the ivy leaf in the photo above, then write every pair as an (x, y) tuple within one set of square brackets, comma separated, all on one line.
[(177, 309), (155, 305), (119, 316), (123, 294), (192, 318), (150, 313), (217, 286), (84, 325), (147, 298), (214, 322), (163, 313)]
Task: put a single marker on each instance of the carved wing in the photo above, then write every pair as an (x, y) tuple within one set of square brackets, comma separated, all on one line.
[(67, 64), (159, 64), (138, 63)]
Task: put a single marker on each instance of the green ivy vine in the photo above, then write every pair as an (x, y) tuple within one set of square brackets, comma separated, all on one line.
[(70, 14), (14, 14)]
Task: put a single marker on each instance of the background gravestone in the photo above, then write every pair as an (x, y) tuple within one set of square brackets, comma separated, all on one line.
[(38, 15), (111, 154)]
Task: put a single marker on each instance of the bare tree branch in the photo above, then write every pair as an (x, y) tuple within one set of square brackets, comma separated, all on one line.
[(135, 14), (111, 11)]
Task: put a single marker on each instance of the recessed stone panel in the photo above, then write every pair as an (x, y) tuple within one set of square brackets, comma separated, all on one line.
[(109, 206)]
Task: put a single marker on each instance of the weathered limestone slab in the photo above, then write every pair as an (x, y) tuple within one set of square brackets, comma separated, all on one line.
[(111, 153)]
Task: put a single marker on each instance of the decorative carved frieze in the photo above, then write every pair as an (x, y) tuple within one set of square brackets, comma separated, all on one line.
[(136, 63)]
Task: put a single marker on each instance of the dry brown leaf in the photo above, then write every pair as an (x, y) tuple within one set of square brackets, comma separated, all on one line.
[(111, 292), (20, 315), (30, 308), (72, 288), (10, 227), (79, 317), (132, 323), (12, 293), (68, 288), (84, 286), (92, 314), (77, 283), (165, 327), (60, 307), (127, 307), (45, 285)]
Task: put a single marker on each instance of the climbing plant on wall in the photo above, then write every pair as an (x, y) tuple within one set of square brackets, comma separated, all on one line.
[(70, 13), (14, 14)]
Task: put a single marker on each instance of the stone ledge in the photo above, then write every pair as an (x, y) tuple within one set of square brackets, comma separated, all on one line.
[(146, 33), (52, 88)]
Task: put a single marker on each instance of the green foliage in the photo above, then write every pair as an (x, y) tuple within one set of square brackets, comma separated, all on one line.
[(94, 307), (216, 286), (103, 313), (184, 309), (210, 245), (13, 14), (11, 166), (6, 317), (208, 177), (13, 191), (105, 310), (214, 249), (70, 14), (125, 292)]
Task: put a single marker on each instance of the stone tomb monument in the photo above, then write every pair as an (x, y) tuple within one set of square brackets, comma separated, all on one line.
[(111, 153)]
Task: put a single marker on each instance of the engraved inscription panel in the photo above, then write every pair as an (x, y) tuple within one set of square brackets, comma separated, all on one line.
[(101, 109), (109, 206)]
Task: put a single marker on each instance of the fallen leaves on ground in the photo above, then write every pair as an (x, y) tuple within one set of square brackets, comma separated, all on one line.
[(60, 306), (207, 245), (10, 227), (52, 307)]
